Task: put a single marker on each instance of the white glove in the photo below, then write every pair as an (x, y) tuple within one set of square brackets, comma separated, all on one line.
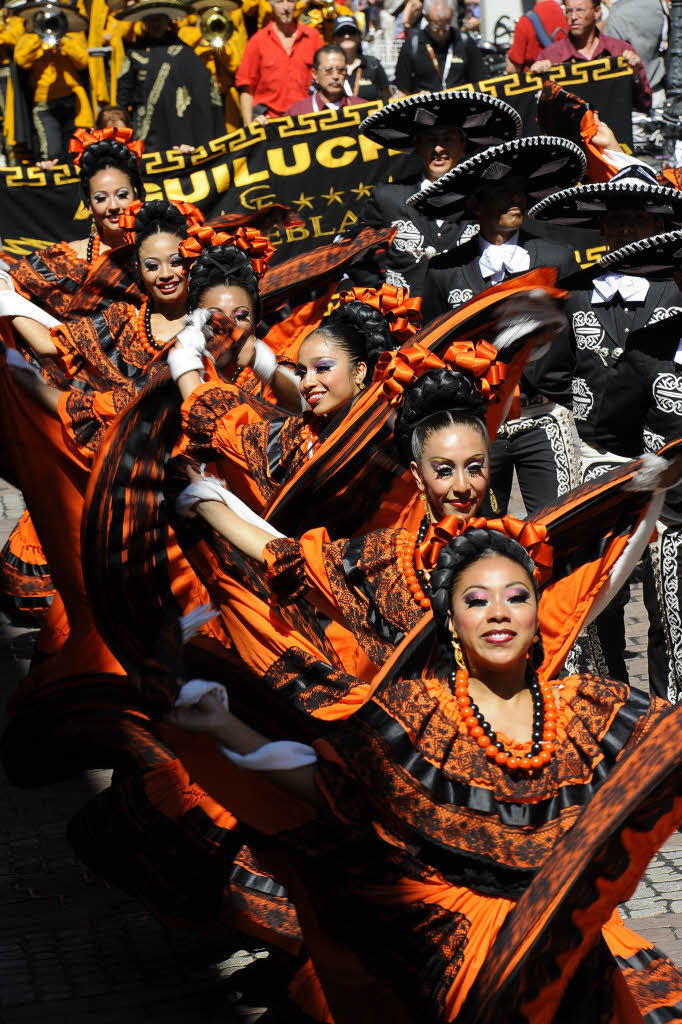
[(189, 351), (210, 489), (13, 304), (265, 362), (192, 692)]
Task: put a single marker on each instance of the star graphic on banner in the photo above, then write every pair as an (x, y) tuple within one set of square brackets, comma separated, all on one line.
[(303, 201), (361, 191), (332, 196)]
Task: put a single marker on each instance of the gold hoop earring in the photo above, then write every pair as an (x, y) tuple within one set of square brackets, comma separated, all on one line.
[(459, 654), (493, 501)]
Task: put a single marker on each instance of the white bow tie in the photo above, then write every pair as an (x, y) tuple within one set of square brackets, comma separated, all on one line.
[(630, 289), (499, 258)]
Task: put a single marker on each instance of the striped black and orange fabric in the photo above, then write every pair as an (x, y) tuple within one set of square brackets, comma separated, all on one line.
[(26, 587)]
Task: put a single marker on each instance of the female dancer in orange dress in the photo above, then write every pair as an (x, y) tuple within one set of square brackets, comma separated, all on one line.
[(464, 787), (110, 181), (109, 163)]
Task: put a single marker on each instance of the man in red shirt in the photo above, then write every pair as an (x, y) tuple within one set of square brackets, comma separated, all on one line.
[(329, 77), (528, 40), (586, 42), (277, 66)]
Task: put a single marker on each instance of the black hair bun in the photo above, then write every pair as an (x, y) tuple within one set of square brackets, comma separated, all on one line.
[(159, 215), (222, 264), (436, 391), (367, 322), (108, 153)]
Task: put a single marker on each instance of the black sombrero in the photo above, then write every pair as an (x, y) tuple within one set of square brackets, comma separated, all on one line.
[(545, 162), (484, 120), (173, 9), (635, 186), (659, 254), (76, 21)]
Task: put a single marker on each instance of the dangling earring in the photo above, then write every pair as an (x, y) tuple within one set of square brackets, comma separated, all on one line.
[(427, 507), (362, 386), (94, 243), (493, 501), (459, 655)]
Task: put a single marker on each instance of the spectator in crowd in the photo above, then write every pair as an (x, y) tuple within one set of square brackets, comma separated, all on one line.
[(365, 76), (111, 116), (544, 25), (329, 79), (437, 57), (277, 67), (586, 42), (441, 128), (55, 58), (322, 14), (166, 86), (644, 25), (471, 22)]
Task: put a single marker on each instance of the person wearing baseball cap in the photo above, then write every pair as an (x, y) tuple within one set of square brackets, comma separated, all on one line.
[(365, 75)]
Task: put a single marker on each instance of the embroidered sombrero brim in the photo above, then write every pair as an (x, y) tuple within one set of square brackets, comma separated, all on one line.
[(484, 120), (660, 254), (545, 163), (75, 20), (583, 205), (173, 9)]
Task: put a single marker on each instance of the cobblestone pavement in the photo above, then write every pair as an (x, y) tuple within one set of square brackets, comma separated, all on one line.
[(74, 951)]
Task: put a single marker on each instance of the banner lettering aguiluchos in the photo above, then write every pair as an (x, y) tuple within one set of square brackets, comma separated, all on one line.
[(318, 164)]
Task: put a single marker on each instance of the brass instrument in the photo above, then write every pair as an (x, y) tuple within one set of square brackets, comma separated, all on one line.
[(50, 24), (216, 27)]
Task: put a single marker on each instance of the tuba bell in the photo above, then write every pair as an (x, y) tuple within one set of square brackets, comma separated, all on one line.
[(50, 24), (216, 27)]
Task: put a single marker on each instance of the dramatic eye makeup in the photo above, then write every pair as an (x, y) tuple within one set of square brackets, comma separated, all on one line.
[(151, 264), (321, 366), (518, 594), (477, 597), (444, 468)]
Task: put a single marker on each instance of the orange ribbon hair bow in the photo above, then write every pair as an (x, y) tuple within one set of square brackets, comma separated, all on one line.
[(396, 371), (531, 536), (126, 221), (84, 137), (402, 313), (256, 247)]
